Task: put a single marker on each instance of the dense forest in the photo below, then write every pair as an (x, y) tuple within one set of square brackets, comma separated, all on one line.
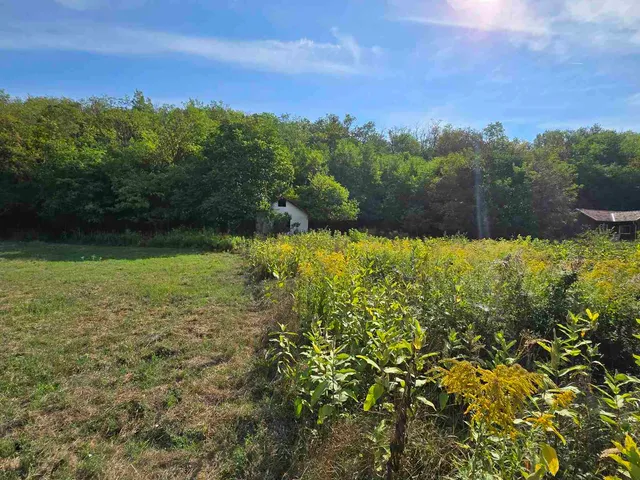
[(111, 164)]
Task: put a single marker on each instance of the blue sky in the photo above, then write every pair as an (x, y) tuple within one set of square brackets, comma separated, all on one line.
[(531, 64)]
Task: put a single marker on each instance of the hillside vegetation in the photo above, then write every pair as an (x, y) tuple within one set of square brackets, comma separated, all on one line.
[(111, 164), (450, 358)]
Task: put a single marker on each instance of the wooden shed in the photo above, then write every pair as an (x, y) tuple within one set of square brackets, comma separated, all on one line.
[(624, 224)]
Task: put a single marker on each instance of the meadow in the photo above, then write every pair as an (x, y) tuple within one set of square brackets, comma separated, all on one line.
[(318, 356), (450, 358), (126, 362)]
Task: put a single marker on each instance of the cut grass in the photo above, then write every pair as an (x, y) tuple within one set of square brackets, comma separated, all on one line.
[(121, 362)]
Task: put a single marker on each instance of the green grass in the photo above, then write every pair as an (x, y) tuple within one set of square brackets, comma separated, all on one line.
[(122, 362)]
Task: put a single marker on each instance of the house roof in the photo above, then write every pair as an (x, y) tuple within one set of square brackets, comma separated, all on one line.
[(611, 216)]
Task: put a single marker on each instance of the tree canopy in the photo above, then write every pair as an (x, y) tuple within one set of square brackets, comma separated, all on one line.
[(106, 163)]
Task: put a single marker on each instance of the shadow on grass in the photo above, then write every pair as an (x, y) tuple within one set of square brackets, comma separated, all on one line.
[(57, 252), (268, 443)]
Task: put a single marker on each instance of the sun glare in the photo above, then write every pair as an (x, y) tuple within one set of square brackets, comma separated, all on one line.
[(480, 12), (471, 4)]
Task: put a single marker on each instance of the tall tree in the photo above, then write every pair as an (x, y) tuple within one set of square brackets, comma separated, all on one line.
[(325, 199)]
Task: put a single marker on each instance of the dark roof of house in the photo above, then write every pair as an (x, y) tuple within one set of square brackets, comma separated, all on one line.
[(611, 216)]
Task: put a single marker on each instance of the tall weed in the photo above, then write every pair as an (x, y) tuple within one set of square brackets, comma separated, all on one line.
[(412, 332)]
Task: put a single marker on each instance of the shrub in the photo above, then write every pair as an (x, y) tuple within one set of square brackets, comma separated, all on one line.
[(471, 336), (205, 239)]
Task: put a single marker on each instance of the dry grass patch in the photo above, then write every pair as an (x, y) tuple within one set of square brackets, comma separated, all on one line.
[(125, 363)]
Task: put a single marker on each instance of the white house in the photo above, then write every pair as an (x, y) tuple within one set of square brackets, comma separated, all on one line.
[(299, 218)]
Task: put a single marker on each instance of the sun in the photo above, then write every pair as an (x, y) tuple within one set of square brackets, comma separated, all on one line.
[(472, 4), (480, 12)]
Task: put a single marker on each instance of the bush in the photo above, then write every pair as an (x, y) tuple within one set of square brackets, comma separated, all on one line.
[(205, 239), (470, 338)]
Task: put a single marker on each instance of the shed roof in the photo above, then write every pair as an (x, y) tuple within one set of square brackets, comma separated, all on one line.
[(611, 216)]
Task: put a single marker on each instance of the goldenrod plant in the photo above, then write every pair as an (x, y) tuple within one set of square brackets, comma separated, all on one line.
[(513, 354)]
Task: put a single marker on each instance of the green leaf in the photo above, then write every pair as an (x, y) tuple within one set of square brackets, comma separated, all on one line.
[(426, 402), (443, 399), (317, 393), (543, 345), (400, 359), (421, 382), (393, 370), (325, 411), (575, 368), (375, 392), (369, 361), (428, 355), (297, 404), (541, 470), (402, 345), (620, 461), (551, 458), (592, 316)]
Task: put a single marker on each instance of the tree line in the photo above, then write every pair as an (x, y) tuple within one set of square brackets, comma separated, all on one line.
[(106, 163)]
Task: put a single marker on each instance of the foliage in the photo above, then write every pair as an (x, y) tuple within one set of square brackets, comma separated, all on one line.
[(628, 459), (472, 336), (245, 166), (113, 164), (494, 397), (326, 199), (205, 239)]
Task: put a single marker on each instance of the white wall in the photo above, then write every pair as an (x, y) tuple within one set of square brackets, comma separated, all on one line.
[(297, 216)]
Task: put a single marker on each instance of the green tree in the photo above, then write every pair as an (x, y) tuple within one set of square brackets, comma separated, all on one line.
[(325, 199), (554, 193), (451, 194), (244, 166)]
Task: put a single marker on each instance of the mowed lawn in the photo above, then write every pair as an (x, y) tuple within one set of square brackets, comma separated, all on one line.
[(120, 362)]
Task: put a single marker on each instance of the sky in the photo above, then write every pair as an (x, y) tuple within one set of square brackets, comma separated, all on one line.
[(531, 64)]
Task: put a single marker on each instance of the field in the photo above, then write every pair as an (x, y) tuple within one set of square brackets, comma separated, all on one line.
[(450, 358), (124, 362), (321, 356)]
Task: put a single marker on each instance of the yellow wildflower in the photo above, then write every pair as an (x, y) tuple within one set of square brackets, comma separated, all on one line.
[(563, 399), (305, 269), (333, 263), (285, 249), (544, 421), (494, 396)]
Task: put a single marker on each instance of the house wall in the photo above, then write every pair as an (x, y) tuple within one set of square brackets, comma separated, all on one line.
[(633, 227), (297, 216)]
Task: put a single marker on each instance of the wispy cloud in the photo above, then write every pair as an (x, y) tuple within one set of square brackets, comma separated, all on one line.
[(345, 57), (80, 4), (470, 25), (444, 114), (615, 12), (349, 43), (559, 26), (489, 15), (513, 16), (621, 123), (634, 100)]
